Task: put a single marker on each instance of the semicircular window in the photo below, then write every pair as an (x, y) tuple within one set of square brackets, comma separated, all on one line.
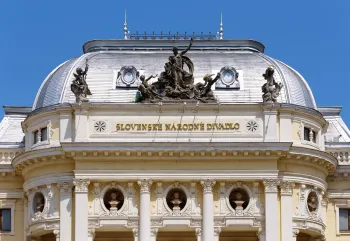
[(239, 199), (176, 200), (38, 202), (113, 199)]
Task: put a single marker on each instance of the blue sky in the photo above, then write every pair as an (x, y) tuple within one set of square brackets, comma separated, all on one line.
[(311, 36)]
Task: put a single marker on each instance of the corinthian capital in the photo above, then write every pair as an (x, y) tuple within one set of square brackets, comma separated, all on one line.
[(144, 184), (65, 187), (286, 187), (81, 185), (271, 185), (208, 185)]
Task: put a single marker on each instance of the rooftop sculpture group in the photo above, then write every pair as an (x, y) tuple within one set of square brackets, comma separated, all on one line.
[(175, 83)]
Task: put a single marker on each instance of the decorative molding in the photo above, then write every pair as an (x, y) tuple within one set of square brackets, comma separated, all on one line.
[(81, 185), (135, 231), (154, 232), (91, 232), (208, 185), (295, 232), (56, 233), (287, 187), (65, 188), (145, 185), (198, 232), (271, 185)]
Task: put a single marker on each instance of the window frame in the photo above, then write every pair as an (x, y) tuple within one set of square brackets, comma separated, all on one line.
[(9, 204), (38, 127), (340, 204), (311, 127)]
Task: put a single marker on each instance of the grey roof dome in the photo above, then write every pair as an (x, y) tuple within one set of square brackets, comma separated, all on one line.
[(105, 57)]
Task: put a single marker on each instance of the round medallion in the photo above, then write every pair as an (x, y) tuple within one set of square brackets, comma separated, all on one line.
[(228, 77), (176, 200), (252, 126), (100, 126), (239, 199), (113, 199), (128, 77)]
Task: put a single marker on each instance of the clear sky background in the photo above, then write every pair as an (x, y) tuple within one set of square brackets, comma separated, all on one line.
[(311, 36)]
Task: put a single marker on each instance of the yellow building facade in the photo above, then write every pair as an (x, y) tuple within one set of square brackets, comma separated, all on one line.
[(110, 168)]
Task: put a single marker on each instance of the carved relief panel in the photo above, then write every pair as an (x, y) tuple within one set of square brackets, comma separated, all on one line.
[(175, 199), (239, 199), (41, 203), (309, 203), (113, 199)]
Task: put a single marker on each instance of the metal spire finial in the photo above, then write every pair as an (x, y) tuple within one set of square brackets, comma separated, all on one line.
[(221, 32), (126, 32)]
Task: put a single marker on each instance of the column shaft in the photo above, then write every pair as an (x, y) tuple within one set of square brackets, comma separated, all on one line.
[(208, 210), (81, 209), (287, 212), (65, 210), (271, 210), (145, 212)]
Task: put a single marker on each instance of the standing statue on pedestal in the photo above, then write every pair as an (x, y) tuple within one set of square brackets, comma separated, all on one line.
[(271, 88), (79, 86)]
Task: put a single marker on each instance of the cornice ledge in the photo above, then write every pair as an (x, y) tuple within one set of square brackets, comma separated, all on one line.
[(16, 194), (176, 174), (304, 179), (36, 154), (159, 146), (339, 194), (314, 153), (47, 179)]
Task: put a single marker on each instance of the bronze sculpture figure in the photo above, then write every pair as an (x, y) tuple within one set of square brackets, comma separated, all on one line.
[(175, 83), (271, 89), (79, 86)]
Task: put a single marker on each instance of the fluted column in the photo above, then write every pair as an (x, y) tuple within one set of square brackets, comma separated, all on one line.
[(287, 214), (154, 232), (199, 234), (271, 209), (145, 211), (208, 210), (65, 210), (217, 232), (81, 209), (135, 231)]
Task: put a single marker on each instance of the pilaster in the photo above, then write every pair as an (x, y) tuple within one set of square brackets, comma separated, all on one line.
[(81, 209), (199, 234), (91, 234), (271, 208), (65, 210), (66, 132), (217, 232), (270, 123), (81, 125), (287, 213), (135, 232), (208, 210), (154, 232), (285, 126)]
